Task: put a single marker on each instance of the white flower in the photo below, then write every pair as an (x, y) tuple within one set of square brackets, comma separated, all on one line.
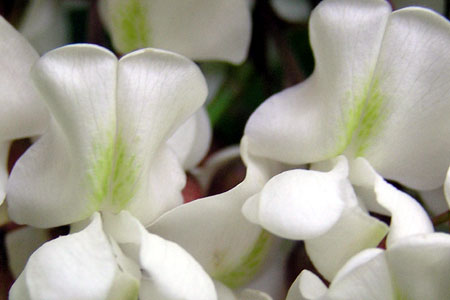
[(380, 91), (105, 149), (198, 29)]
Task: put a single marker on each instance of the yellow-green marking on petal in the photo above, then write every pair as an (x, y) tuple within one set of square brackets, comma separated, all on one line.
[(363, 120), (129, 23), (113, 175), (249, 264)]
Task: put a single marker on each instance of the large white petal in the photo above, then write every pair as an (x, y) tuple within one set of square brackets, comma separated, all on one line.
[(354, 232), (192, 139), (406, 132), (316, 119), (168, 271), (302, 204), (78, 266), (21, 112), (420, 266), (198, 29), (21, 243), (64, 176), (157, 92)]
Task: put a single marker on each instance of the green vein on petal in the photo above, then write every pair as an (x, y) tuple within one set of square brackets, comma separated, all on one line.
[(363, 120), (113, 175), (130, 22), (249, 265)]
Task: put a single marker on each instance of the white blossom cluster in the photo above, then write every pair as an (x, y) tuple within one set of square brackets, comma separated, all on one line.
[(113, 139)]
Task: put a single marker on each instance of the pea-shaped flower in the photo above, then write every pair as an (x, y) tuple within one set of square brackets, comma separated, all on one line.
[(105, 149), (379, 94)]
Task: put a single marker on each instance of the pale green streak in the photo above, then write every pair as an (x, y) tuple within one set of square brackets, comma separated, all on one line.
[(131, 26), (249, 264), (364, 120), (113, 174)]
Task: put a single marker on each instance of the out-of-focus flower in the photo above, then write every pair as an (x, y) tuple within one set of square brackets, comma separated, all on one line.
[(44, 25), (379, 91), (22, 113), (198, 29), (105, 149)]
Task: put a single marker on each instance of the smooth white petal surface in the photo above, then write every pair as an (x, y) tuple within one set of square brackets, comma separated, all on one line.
[(20, 244), (223, 292), (306, 286), (18, 98), (302, 204), (44, 25), (365, 276), (165, 183), (78, 266), (420, 266), (198, 29), (191, 141), (315, 120), (168, 271), (408, 129), (434, 201), (157, 92), (355, 231), (62, 175)]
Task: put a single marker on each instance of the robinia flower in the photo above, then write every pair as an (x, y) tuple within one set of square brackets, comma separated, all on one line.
[(379, 96), (105, 149), (198, 29)]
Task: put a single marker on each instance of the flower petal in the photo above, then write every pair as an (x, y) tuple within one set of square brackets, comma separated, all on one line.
[(420, 266), (249, 294), (78, 266), (61, 178), (157, 92), (163, 190), (168, 271), (302, 204), (365, 276), (306, 286), (316, 119), (407, 137), (22, 113), (403, 209), (198, 29), (192, 139), (20, 244), (355, 231)]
